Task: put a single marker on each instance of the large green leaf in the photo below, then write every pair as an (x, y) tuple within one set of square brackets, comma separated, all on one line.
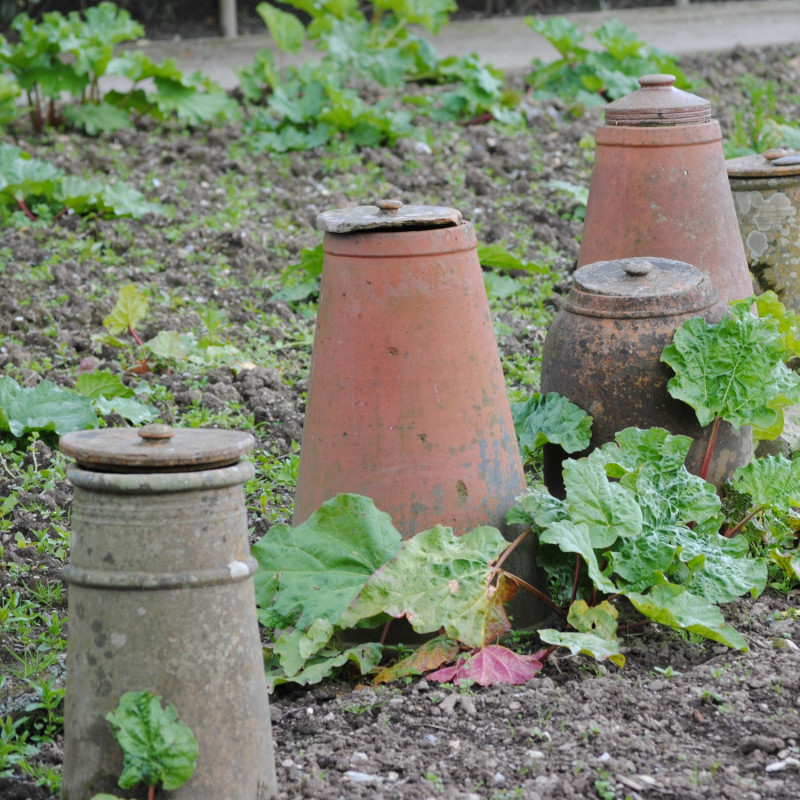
[(22, 176), (157, 746), (285, 29), (440, 580), (572, 538), (595, 632), (551, 418), (101, 383), (324, 664), (609, 510), (677, 607), (44, 407), (314, 571), (732, 370), (772, 482)]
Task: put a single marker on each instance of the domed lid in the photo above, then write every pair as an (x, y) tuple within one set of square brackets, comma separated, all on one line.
[(640, 288), (155, 448), (658, 103), (387, 215), (772, 163)]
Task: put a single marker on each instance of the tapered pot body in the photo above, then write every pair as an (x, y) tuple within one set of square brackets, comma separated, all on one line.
[(603, 352), (161, 599), (659, 188), (766, 196), (407, 402)]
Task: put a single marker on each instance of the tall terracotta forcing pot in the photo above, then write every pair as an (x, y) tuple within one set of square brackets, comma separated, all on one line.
[(407, 402), (660, 188), (161, 599)]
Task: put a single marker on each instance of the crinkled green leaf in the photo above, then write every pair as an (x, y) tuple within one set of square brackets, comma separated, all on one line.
[(44, 407), (572, 538), (537, 508), (134, 411), (325, 664), (589, 644), (788, 562), (788, 321), (428, 656), (294, 647), (96, 118), (192, 104), (320, 566), (677, 607), (771, 482), (732, 370), (129, 310), (22, 176), (440, 580), (551, 418), (609, 510), (157, 747), (101, 382), (121, 200)]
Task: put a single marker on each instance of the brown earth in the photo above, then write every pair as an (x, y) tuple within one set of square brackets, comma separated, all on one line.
[(684, 719)]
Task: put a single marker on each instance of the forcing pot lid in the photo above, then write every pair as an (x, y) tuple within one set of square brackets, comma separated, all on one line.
[(658, 103), (640, 287), (774, 163), (387, 215), (155, 448)]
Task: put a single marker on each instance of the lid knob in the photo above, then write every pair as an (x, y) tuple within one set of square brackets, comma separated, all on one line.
[(775, 152), (637, 267), (155, 432), (389, 205), (656, 81)]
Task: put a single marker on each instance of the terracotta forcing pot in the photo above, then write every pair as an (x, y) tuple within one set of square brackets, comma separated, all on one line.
[(603, 352), (407, 402), (161, 599), (766, 194), (659, 187)]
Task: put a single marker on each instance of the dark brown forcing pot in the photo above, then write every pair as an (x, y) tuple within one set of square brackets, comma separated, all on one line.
[(659, 187), (161, 599), (603, 352), (407, 401)]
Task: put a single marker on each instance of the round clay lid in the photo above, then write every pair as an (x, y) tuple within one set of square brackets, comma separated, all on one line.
[(155, 448), (640, 287), (387, 215), (658, 103), (770, 164)]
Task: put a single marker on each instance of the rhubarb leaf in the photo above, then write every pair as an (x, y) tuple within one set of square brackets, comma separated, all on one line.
[(428, 656), (677, 607), (129, 310), (44, 407), (314, 571), (551, 418), (489, 665), (572, 538), (440, 580), (771, 482), (732, 370), (157, 746)]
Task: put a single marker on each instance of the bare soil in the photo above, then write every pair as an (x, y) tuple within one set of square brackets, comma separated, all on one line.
[(683, 719)]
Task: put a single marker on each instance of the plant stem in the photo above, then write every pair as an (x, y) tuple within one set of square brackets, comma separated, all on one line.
[(135, 335), (537, 593), (151, 792), (575, 579), (28, 213), (712, 440), (731, 532)]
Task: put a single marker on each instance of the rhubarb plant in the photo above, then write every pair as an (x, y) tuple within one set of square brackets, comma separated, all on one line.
[(733, 371), (66, 56)]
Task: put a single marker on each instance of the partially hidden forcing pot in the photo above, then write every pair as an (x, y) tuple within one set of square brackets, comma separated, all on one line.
[(603, 353)]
